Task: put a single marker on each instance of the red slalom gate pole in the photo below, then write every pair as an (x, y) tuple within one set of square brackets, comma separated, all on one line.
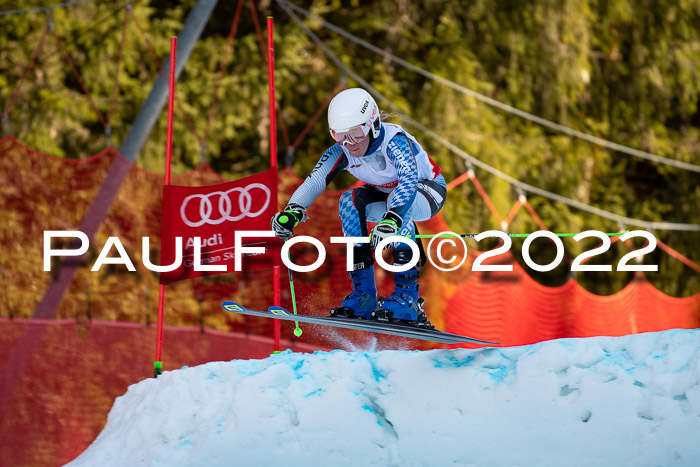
[(158, 366), (276, 326)]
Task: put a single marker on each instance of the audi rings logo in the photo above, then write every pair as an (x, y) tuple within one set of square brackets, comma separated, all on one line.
[(226, 209)]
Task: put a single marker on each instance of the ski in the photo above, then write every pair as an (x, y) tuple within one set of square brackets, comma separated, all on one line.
[(402, 330)]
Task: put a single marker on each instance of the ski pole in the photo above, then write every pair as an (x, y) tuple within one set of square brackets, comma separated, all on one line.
[(516, 235), (297, 329)]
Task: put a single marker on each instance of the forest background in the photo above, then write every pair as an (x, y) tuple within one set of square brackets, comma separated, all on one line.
[(626, 71)]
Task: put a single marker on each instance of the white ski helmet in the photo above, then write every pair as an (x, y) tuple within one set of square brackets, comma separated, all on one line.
[(351, 111)]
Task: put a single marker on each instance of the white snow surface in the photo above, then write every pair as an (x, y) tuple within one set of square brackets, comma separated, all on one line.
[(602, 401)]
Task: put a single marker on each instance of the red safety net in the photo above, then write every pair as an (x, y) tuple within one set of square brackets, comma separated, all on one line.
[(40, 192), (61, 400), (59, 377)]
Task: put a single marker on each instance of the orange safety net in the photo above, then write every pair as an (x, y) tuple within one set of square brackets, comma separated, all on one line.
[(41, 192), (510, 308), (513, 309)]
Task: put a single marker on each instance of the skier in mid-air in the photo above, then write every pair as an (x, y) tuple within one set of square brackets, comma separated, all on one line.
[(402, 185)]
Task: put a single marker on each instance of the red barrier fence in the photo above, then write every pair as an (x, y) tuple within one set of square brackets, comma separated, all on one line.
[(60, 402), (40, 192)]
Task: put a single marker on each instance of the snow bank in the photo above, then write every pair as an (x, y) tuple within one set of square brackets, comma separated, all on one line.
[(632, 400)]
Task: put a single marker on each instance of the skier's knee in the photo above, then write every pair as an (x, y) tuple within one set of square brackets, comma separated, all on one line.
[(402, 256)]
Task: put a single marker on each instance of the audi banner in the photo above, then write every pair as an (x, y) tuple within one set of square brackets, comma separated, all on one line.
[(214, 214)]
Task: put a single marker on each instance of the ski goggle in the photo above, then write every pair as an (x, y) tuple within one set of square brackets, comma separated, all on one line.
[(353, 135)]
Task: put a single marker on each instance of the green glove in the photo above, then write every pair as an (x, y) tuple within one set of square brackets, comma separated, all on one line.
[(284, 222)]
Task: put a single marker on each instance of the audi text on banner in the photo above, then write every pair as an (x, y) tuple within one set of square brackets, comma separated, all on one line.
[(214, 213)]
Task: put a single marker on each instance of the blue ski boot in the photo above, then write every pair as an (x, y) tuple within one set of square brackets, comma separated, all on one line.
[(363, 299), (404, 304)]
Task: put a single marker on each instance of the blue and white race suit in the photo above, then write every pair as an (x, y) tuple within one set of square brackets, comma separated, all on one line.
[(398, 173)]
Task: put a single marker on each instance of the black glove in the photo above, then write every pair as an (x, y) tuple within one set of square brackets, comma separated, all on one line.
[(284, 222), (388, 227)]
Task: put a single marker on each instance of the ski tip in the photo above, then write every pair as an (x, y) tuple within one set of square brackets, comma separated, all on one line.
[(232, 306), (278, 311)]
